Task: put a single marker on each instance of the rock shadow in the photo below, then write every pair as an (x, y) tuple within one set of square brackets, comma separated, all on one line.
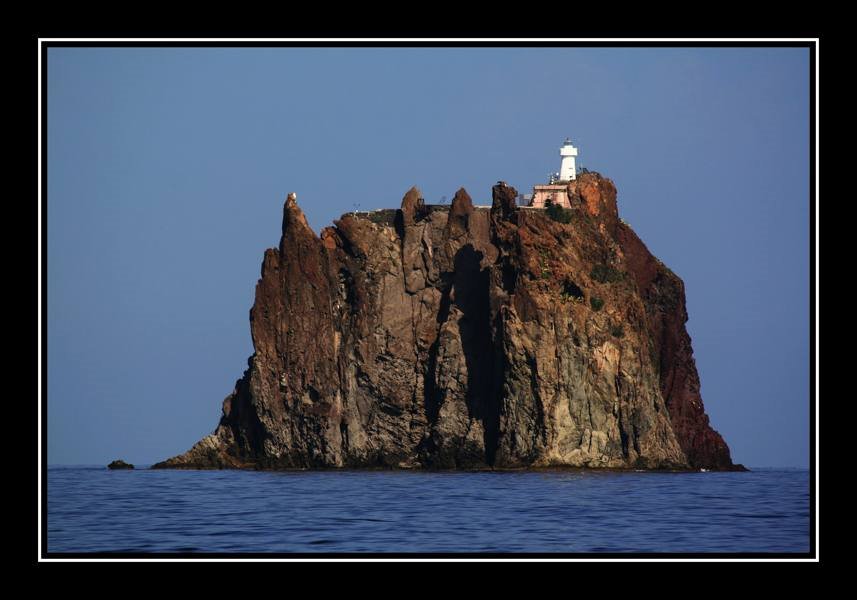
[(467, 289)]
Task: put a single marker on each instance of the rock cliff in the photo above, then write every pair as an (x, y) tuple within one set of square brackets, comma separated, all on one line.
[(465, 338)]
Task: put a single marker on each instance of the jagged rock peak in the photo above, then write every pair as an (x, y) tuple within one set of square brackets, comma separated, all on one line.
[(459, 214), (461, 203), (292, 213), (503, 199), (412, 206)]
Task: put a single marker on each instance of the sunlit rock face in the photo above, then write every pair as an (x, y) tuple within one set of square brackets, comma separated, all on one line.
[(462, 337)]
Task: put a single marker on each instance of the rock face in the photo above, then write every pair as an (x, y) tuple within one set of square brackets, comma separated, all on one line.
[(465, 338), (120, 464)]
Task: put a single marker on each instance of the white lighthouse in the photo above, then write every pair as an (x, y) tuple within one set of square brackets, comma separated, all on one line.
[(567, 170)]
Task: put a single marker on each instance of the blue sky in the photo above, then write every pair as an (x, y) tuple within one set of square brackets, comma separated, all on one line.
[(168, 167)]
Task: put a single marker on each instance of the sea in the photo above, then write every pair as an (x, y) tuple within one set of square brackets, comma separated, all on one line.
[(91, 509)]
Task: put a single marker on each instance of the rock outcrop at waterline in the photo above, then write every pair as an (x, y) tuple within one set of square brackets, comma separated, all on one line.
[(464, 338)]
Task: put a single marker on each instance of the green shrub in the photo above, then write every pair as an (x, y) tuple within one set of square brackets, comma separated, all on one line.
[(606, 274), (596, 303), (558, 213), (383, 217)]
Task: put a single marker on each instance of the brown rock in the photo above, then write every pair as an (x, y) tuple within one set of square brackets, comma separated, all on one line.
[(412, 206), (464, 338), (459, 214), (503, 200)]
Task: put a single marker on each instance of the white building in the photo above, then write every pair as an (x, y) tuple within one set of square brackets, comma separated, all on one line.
[(567, 169)]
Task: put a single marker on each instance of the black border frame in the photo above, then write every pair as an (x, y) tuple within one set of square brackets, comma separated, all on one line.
[(814, 407)]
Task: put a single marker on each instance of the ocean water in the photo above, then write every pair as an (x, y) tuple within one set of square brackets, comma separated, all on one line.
[(93, 509)]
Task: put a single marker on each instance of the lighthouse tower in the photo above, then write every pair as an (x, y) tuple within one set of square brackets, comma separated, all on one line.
[(567, 170)]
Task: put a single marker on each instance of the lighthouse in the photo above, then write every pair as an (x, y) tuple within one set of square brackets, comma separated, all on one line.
[(556, 191), (567, 170)]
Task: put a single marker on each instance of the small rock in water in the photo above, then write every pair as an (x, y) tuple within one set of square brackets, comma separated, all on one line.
[(120, 464)]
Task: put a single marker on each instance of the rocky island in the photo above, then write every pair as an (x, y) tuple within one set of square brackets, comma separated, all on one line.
[(464, 337)]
